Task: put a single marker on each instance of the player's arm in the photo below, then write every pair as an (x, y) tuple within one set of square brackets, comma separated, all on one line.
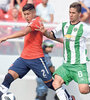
[(17, 34), (52, 36), (48, 34)]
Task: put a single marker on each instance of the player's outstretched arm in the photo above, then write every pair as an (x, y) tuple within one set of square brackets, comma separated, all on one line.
[(59, 40), (17, 34), (48, 34), (51, 36)]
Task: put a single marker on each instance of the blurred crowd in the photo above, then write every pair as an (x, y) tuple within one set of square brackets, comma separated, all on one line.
[(11, 10)]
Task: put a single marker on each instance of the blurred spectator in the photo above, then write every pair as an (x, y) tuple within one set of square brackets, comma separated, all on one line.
[(14, 15), (18, 3), (1, 15), (36, 2), (45, 11), (5, 5), (23, 3), (85, 9), (30, 1)]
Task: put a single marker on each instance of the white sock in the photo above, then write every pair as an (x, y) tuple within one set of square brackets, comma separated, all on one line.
[(61, 94), (3, 89)]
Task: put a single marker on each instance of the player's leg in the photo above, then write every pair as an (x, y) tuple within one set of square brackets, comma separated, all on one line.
[(9, 78), (80, 75), (83, 81), (61, 77), (37, 66), (18, 69), (40, 68), (42, 71), (84, 88)]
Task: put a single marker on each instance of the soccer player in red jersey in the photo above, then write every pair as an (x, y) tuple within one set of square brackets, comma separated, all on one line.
[(32, 57)]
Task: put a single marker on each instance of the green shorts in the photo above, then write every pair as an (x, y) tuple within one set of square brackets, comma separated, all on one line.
[(76, 72)]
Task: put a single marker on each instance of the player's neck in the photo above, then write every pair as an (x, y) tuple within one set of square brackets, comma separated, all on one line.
[(74, 22)]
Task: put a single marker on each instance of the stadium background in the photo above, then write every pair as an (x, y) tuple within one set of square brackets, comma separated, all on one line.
[(25, 89)]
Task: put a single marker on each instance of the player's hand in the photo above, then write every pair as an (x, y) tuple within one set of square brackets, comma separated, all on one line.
[(41, 28), (3, 39)]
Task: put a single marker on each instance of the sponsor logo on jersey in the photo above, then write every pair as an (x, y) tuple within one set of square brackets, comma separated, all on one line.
[(75, 29), (68, 36)]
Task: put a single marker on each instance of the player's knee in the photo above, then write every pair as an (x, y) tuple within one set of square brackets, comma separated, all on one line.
[(58, 81), (13, 73), (84, 90), (56, 84)]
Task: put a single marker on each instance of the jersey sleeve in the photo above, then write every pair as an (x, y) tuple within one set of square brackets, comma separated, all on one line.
[(34, 24), (86, 30), (58, 31)]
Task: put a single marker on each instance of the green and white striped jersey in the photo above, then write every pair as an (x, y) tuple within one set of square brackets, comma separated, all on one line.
[(74, 41)]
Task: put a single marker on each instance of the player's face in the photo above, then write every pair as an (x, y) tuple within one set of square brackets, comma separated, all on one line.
[(48, 49), (74, 15), (29, 15)]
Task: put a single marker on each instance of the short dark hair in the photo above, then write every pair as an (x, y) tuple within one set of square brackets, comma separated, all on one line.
[(28, 6), (76, 5)]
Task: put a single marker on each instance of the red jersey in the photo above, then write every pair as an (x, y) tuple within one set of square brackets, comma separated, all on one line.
[(33, 42)]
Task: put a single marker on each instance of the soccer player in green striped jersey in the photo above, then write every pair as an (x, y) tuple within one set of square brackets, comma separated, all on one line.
[(74, 66)]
